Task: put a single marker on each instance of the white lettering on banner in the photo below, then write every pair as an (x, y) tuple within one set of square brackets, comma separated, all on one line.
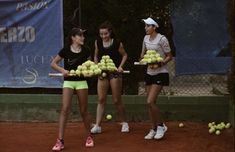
[(32, 5), (29, 59), (17, 34)]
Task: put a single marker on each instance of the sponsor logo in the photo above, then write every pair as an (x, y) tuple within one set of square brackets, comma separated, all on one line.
[(17, 34), (30, 76), (36, 5)]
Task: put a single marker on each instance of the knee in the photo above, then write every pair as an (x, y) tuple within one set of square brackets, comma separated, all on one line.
[(65, 111), (150, 103), (101, 101), (117, 102)]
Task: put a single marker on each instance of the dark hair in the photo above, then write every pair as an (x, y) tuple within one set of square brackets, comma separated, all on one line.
[(74, 32), (109, 26)]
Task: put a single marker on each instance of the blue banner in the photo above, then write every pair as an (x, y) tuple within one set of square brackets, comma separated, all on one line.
[(201, 36), (31, 34)]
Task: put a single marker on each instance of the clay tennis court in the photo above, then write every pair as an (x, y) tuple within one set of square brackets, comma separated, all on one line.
[(40, 137)]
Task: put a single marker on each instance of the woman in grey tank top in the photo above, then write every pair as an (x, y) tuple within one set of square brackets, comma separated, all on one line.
[(155, 78)]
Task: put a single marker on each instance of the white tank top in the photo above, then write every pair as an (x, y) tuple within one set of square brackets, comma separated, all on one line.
[(161, 45)]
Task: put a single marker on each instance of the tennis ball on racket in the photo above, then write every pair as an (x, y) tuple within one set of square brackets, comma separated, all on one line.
[(84, 68), (78, 72), (217, 132), (79, 67), (149, 60), (90, 73), (72, 71), (181, 125), (109, 117), (97, 71)]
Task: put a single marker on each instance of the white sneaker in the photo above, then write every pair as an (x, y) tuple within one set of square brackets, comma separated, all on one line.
[(96, 129), (160, 131), (150, 135), (125, 127)]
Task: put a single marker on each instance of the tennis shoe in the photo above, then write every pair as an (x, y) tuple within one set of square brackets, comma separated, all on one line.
[(160, 131), (96, 129), (58, 146), (150, 135), (125, 127), (89, 142)]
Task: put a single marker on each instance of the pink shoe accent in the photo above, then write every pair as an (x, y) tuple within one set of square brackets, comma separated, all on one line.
[(58, 146), (89, 142)]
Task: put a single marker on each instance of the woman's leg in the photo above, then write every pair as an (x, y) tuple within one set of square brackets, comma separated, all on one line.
[(102, 89), (67, 97), (154, 112), (116, 86), (83, 106)]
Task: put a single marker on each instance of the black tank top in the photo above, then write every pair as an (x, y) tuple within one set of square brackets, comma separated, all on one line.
[(112, 51)]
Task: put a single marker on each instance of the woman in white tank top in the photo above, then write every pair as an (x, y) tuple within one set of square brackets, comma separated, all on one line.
[(155, 78)]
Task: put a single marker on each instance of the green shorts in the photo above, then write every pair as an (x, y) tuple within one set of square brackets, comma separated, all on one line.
[(77, 85)]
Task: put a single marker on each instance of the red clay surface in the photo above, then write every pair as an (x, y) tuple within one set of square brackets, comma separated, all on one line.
[(40, 137)]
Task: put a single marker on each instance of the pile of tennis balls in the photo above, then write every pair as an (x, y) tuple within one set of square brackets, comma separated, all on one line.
[(153, 58), (87, 69), (107, 65), (217, 128)]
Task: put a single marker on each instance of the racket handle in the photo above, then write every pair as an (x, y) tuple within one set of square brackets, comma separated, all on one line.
[(55, 74), (138, 63), (126, 71)]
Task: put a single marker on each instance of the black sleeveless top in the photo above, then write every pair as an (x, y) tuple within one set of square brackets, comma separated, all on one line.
[(72, 60), (112, 51)]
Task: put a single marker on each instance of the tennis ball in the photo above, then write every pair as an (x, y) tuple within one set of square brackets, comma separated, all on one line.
[(90, 73), (79, 67), (78, 72), (72, 71), (104, 74), (109, 117), (84, 68), (228, 125), (149, 60), (97, 71), (211, 130), (217, 132), (210, 125), (181, 125)]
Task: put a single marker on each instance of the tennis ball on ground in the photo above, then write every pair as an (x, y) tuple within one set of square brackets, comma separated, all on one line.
[(210, 125), (109, 117), (217, 132), (211, 130), (181, 125), (228, 125)]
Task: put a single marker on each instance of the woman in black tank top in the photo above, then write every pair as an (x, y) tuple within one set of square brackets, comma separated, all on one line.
[(107, 44), (73, 55)]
